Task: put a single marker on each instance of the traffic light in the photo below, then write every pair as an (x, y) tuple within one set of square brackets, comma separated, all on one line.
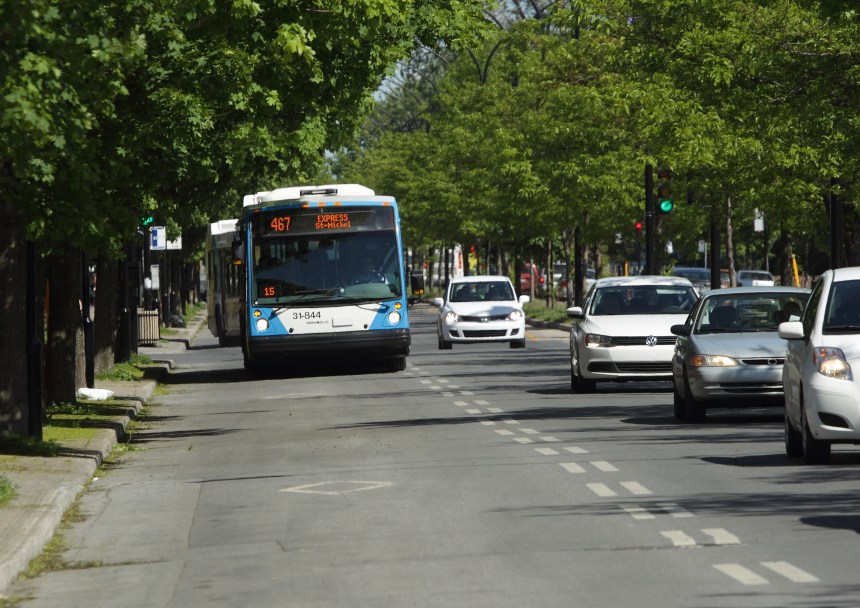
[(147, 221), (638, 227), (664, 194)]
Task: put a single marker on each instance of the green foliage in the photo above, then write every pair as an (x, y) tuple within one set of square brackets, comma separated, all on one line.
[(122, 372), (7, 491)]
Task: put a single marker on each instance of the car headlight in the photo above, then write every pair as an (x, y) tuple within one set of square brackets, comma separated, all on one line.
[(712, 361), (516, 315), (597, 340), (451, 317), (262, 324), (831, 362), (394, 317)]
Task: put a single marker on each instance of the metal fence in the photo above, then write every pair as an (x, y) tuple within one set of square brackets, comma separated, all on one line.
[(148, 327)]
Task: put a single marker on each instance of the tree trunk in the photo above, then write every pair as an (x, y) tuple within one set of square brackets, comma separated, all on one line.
[(13, 338), (66, 370), (730, 246), (106, 318)]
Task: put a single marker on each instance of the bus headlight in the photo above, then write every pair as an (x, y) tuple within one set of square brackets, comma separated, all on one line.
[(394, 317), (262, 324)]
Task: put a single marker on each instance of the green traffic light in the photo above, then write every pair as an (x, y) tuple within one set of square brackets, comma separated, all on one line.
[(666, 206), (148, 220)]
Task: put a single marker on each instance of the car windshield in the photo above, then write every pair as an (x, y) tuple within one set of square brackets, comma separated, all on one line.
[(482, 291), (643, 300), (748, 312), (843, 308)]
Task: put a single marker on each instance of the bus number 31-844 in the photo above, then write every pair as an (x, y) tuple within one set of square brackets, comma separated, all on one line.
[(307, 315)]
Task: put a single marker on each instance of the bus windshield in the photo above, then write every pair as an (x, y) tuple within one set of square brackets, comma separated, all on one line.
[(329, 262)]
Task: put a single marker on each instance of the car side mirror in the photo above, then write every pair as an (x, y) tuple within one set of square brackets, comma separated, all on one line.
[(525, 299), (680, 330), (791, 330), (438, 302), (575, 312)]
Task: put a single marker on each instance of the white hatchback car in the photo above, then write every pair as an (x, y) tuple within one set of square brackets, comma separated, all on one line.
[(822, 392), (481, 309), (622, 332)]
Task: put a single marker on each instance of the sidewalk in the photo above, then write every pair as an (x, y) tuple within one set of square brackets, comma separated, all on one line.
[(47, 486)]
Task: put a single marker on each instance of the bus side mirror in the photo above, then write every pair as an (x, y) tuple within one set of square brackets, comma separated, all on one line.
[(416, 280), (238, 253)]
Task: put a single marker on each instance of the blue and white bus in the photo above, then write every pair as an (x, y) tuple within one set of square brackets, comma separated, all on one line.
[(324, 276), (224, 283)]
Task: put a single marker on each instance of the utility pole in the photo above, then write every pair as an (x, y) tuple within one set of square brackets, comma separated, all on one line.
[(649, 220)]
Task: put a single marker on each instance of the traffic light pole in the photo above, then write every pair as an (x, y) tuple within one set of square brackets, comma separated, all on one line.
[(649, 220)]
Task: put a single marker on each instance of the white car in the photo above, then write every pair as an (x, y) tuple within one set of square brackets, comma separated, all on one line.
[(622, 332), (822, 390), (481, 309), (755, 278)]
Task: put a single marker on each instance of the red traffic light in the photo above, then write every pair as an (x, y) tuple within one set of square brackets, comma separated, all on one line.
[(638, 225)]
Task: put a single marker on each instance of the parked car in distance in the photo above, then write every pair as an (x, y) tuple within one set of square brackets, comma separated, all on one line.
[(821, 375), (560, 279), (729, 353), (530, 273), (621, 332), (481, 309), (699, 277), (755, 278)]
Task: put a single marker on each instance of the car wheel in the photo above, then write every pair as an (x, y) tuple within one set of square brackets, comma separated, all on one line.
[(518, 343), (815, 451), (678, 406), (578, 384), (443, 344), (793, 440), (694, 410)]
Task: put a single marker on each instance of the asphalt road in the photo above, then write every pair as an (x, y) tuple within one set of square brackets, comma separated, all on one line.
[(472, 479)]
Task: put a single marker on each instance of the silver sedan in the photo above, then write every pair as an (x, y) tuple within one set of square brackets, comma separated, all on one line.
[(728, 352)]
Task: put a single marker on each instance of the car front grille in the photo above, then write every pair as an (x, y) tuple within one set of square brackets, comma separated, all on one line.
[(748, 388), (484, 319), (643, 367), (764, 361), (640, 340), (484, 333)]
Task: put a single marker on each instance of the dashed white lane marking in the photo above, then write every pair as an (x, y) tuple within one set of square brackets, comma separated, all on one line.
[(792, 573), (602, 465), (675, 510), (495, 410), (601, 489), (575, 450), (721, 536), (511, 421), (572, 467), (435, 388), (463, 392), (473, 411), (504, 432), (443, 381), (744, 576), (523, 440), (550, 439), (426, 381), (461, 403), (481, 402), (679, 538), (488, 422), (447, 394), (456, 386), (639, 513), (530, 431), (547, 451), (634, 487)]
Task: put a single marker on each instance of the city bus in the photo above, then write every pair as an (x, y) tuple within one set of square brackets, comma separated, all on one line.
[(324, 277), (224, 282)]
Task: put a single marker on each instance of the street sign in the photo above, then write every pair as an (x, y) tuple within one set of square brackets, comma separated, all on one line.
[(158, 240)]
